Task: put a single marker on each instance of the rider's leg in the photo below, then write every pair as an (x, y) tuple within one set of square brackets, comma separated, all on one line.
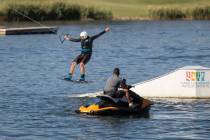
[(72, 68), (82, 71), (71, 71), (84, 60)]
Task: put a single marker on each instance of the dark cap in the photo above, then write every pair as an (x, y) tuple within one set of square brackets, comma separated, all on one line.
[(116, 71)]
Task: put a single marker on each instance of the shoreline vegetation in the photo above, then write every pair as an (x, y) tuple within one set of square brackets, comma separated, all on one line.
[(69, 11), (198, 13), (56, 11)]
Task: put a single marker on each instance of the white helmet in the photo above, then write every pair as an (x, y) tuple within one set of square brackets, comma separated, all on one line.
[(83, 34)]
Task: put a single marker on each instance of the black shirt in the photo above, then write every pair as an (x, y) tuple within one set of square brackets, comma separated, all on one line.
[(87, 44)]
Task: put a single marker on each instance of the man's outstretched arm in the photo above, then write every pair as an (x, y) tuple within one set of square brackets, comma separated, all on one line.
[(69, 38), (107, 29)]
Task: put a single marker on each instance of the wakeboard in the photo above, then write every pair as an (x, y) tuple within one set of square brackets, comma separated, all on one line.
[(76, 81)]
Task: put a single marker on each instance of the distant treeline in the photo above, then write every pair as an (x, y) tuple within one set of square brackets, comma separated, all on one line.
[(198, 13), (56, 11)]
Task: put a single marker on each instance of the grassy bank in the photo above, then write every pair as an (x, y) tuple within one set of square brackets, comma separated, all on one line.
[(55, 11), (198, 13), (132, 9)]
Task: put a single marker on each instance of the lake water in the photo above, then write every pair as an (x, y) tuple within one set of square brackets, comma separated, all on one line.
[(35, 102)]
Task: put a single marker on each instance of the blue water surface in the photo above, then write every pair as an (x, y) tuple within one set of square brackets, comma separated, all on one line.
[(35, 102)]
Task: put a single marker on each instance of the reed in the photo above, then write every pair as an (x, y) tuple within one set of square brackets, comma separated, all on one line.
[(197, 13), (166, 13), (35, 12), (120, 9), (56, 11), (62, 11), (2, 16), (200, 13), (93, 13)]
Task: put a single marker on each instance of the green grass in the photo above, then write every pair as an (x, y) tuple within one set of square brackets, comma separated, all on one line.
[(125, 8)]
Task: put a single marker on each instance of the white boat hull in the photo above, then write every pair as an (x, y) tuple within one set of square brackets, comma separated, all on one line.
[(186, 82)]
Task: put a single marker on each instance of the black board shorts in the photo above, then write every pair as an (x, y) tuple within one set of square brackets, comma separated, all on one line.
[(82, 58)]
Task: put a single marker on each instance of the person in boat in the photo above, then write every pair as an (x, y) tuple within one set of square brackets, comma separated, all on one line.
[(86, 52), (113, 83)]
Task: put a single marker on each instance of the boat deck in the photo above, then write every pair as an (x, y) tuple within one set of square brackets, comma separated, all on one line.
[(28, 30)]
